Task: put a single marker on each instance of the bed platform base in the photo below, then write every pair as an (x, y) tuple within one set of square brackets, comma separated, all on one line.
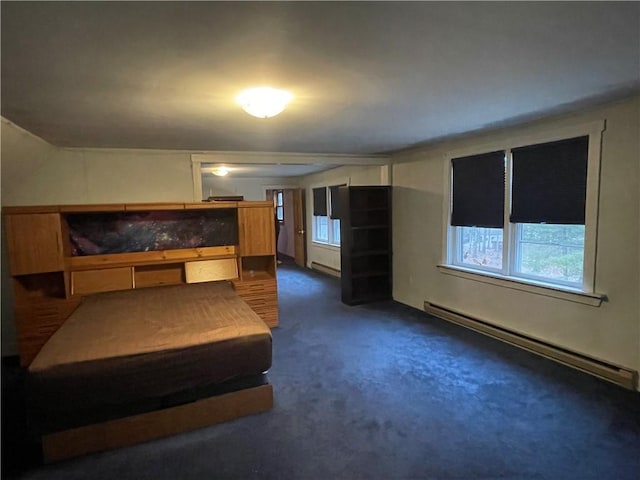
[(140, 428)]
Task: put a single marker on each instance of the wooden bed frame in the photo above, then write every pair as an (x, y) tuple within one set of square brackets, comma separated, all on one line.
[(49, 283), (136, 429)]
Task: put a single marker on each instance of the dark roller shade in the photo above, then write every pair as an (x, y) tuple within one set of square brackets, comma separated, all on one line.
[(320, 202), (335, 201), (550, 182), (478, 190)]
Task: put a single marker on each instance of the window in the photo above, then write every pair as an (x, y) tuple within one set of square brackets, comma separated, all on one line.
[(320, 224), (479, 247), (278, 203), (550, 252), (321, 230), (326, 221), (528, 212)]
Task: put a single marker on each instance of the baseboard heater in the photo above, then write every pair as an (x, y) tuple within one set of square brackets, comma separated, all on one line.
[(612, 373), (325, 269)]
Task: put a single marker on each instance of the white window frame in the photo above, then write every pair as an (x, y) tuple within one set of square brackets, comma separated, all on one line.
[(586, 292), (514, 260), (278, 204), (332, 224), (335, 232), (455, 253), (317, 227)]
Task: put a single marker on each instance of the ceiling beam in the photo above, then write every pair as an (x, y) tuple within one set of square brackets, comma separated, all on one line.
[(275, 158)]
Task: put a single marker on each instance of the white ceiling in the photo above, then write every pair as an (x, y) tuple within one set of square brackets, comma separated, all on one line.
[(367, 77)]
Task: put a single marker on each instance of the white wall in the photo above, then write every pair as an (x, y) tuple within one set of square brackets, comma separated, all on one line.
[(610, 332), (361, 175), (37, 173)]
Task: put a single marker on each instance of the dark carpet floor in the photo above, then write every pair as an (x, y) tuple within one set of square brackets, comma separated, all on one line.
[(382, 392)]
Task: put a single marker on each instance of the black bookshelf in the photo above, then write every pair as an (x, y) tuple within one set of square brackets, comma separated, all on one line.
[(365, 235)]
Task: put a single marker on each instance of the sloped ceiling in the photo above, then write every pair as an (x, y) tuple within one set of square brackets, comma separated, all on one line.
[(367, 77)]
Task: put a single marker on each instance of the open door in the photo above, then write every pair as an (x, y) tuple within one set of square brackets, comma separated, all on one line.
[(299, 227)]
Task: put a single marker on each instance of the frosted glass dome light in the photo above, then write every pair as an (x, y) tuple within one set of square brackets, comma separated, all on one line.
[(220, 171), (263, 102)]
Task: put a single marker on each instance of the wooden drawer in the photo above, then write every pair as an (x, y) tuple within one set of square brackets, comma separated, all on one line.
[(262, 297), (270, 301), (157, 275), (84, 282), (262, 286), (211, 270), (258, 299)]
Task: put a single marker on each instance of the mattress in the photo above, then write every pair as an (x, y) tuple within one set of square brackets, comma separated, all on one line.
[(129, 346)]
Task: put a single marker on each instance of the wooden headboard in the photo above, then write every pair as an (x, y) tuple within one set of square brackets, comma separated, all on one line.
[(49, 280)]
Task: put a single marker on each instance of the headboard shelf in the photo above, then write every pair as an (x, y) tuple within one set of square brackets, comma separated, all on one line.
[(253, 267), (122, 207), (112, 207), (150, 258)]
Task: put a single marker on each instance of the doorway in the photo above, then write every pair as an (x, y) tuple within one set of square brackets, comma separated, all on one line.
[(289, 207)]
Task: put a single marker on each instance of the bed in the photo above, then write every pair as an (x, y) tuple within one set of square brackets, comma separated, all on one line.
[(128, 366)]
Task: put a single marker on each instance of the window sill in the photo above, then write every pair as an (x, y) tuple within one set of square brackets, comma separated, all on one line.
[(328, 246), (592, 299)]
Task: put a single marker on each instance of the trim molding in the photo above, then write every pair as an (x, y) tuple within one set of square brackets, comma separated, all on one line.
[(325, 269), (592, 299), (289, 158)]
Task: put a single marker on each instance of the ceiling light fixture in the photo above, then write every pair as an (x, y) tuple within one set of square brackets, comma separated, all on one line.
[(263, 102), (220, 171)]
